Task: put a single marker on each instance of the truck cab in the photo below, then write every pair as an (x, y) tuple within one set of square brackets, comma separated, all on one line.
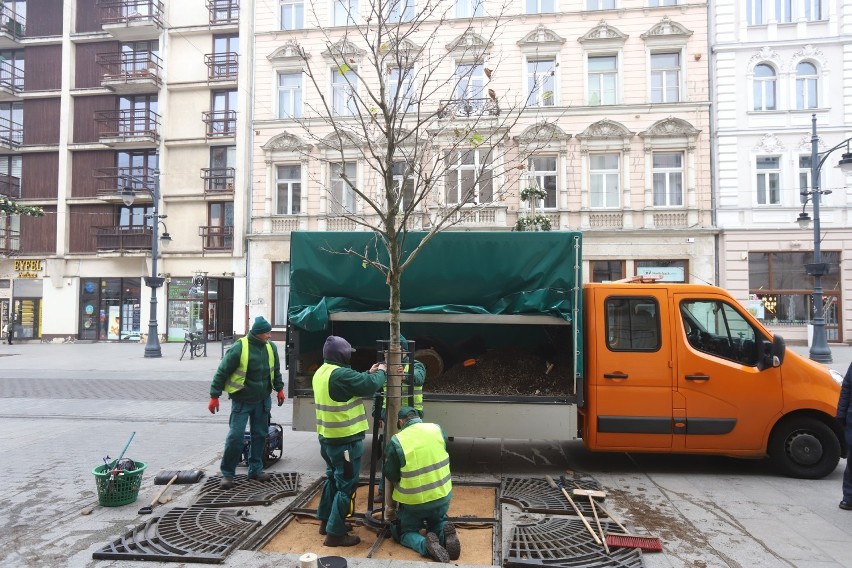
[(685, 368)]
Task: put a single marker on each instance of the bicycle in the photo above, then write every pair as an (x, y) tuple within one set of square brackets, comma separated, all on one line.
[(191, 344)]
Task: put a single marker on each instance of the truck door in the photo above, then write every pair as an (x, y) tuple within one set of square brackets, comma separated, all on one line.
[(632, 402), (728, 401)]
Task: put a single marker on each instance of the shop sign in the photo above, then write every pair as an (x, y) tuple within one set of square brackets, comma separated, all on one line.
[(669, 273), (28, 267)]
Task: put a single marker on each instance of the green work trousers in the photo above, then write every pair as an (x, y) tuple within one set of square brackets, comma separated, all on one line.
[(340, 484), (407, 530), (257, 415)]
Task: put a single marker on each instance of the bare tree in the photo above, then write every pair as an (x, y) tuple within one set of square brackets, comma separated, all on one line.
[(427, 121)]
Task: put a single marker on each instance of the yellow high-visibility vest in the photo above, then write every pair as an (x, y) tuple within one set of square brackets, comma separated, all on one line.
[(425, 476), (237, 380), (336, 419)]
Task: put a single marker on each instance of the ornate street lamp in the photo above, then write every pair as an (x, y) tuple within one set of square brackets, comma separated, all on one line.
[(152, 346), (819, 350)]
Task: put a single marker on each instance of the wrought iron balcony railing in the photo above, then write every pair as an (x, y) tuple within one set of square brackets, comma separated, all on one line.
[(128, 124), (125, 66), (138, 179), (220, 123), (224, 11), (216, 237), (11, 133), (218, 181), (12, 24), (130, 11), (222, 66), (10, 186), (467, 108), (123, 238), (10, 241), (11, 76)]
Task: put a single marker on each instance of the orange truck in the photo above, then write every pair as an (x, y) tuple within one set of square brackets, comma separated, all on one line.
[(646, 365)]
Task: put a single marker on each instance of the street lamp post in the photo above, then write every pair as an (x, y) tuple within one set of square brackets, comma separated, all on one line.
[(152, 346), (819, 350)]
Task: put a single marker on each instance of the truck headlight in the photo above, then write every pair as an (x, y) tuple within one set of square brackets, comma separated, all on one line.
[(836, 376)]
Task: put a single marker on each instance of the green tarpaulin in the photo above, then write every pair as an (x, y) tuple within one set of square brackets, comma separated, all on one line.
[(455, 273)]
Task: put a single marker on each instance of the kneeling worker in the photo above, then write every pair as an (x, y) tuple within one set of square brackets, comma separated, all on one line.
[(416, 461)]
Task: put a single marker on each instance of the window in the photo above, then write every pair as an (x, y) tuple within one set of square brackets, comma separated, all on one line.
[(604, 180), (469, 178), (470, 8), (10, 176), (138, 116), (138, 57), (220, 225), (717, 328), (10, 232), (632, 324), (600, 4), (543, 170), (135, 168), (280, 292), (292, 14), (12, 123), (540, 6), (401, 11), (656, 3), (342, 198), (343, 85), (768, 180), (289, 95), (135, 217), (400, 89), (780, 280), (812, 9), (606, 270), (403, 177), (668, 179), (345, 12), (665, 77), (784, 11), (755, 12), (221, 176), (223, 116), (670, 270), (289, 184), (603, 79), (470, 81), (806, 86), (764, 87), (541, 82)]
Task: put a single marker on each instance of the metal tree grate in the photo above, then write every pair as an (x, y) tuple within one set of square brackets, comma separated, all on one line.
[(182, 534), (247, 491), (565, 543), (535, 495)]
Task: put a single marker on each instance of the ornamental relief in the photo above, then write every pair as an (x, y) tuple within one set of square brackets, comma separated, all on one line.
[(603, 32), (288, 52), (287, 142), (542, 133), (541, 35), (343, 49), (667, 27), (812, 53), (670, 127), (605, 130), (770, 144), (766, 53), (469, 41)]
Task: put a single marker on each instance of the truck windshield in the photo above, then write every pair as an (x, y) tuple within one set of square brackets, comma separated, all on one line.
[(714, 327)]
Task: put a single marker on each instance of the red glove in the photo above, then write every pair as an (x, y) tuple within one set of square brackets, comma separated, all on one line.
[(213, 405), (280, 397)]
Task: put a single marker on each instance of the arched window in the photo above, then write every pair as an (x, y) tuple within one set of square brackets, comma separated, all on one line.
[(806, 85), (764, 87)]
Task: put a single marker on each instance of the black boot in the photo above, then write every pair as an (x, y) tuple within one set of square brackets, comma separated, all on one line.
[(451, 541), (434, 548), (341, 540), (324, 523), (226, 483)]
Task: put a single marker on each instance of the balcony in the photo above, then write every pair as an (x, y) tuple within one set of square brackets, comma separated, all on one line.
[(222, 66), (10, 241), (11, 133), (13, 27), (11, 81), (128, 128), (132, 20), (123, 238), (468, 108), (218, 181), (224, 12), (115, 181), (10, 186), (135, 72), (216, 237), (220, 123)]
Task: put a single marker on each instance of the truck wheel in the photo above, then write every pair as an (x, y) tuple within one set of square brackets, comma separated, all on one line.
[(804, 448)]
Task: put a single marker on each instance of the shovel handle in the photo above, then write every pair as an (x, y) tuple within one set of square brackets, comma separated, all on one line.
[(576, 509), (163, 490)]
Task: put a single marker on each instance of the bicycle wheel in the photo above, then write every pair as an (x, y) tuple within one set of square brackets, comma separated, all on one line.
[(197, 349), (183, 351)]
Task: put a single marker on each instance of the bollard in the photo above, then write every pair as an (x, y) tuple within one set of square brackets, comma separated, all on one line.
[(308, 560)]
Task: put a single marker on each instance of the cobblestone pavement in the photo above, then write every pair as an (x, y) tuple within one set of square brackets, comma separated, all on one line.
[(64, 407)]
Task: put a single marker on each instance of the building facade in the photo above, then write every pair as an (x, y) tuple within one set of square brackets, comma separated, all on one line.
[(620, 131), (106, 105), (775, 66)]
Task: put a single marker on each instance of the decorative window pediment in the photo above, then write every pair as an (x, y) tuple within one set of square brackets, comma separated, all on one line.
[(469, 44), (287, 53), (542, 134), (286, 142), (811, 53), (344, 50), (765, 55), (605, 130), (541, 40), (670, 131), (666, 30), (770, 144), (348, 139), (603, 35), (804, 144)]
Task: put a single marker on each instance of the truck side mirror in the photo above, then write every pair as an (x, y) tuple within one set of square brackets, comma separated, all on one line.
[(772, 352)]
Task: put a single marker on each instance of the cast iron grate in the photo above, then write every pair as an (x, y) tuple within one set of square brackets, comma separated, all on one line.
[(565, 543), (535, 495), (193, 534), (247, 491)]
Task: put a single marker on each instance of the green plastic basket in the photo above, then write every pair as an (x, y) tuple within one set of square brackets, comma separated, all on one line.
[(124, 488)]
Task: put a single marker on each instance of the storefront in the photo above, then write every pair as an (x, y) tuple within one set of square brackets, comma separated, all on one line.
[(110, 309), (197, 303), (26, 305)]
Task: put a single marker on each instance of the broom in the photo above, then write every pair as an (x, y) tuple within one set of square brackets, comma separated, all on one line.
[(627, 540)]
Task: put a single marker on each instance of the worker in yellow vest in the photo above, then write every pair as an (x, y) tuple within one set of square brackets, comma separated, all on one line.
[(341, 424), (417, 462), (248, 372)]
